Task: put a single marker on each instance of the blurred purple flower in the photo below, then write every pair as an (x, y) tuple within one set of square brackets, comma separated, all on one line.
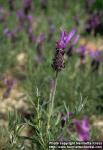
[(28, 21), (93, 23), (27, 6), (65, 39), (9, 83), (81, 49), (27, 2), (30, 18), (11, 34), (82, 129), (31, 36), (97, 57), (7, 32), (25, 22), (21, 17)]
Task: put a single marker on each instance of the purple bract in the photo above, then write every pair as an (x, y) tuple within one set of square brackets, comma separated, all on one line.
[(65, 39)]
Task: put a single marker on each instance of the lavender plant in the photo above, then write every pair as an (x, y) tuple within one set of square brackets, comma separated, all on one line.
[(58, 111)]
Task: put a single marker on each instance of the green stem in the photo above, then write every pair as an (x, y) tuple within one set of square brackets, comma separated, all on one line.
[(51, 104)]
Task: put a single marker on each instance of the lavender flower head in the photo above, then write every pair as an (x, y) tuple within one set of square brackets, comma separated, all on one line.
[(58, 61), (82, 129), (65, 39)]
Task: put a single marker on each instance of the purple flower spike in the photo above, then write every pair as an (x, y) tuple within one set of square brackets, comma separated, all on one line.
[(82, 129), (65, 39)]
